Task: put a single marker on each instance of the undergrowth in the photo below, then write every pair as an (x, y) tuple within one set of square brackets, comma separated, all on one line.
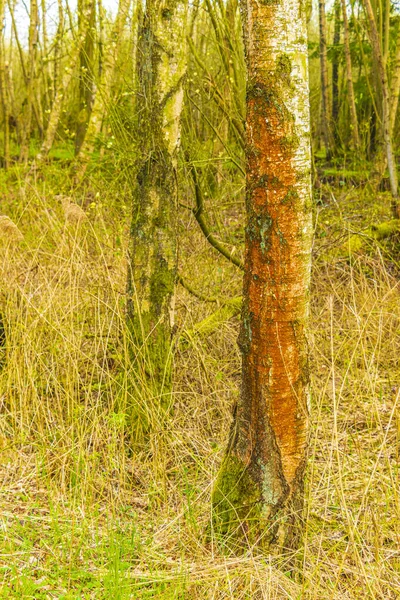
[(89, 508)]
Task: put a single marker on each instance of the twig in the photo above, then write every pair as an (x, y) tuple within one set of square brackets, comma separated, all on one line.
[(198, 213)]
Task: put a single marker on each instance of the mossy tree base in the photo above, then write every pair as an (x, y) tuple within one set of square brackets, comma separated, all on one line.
[(258, 494), (245, 514)]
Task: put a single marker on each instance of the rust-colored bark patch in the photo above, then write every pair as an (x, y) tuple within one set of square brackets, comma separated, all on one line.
[(275, 286)]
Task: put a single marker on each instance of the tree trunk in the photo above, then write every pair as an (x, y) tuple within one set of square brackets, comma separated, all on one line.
[(335, 72), (326, 129), (4, 91), (395, 85), (349, 79), (102, 99), (86, 61), (63, 84), (153, 252), (384, 89), (45, 62), (30, 83), (57, 47), (386, 32), (258, 495)]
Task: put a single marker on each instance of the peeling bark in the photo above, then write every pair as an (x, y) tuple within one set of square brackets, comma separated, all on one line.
[(259, 492)]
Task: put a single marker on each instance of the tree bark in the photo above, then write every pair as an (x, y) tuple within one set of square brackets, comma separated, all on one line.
[(161, 68), (258, 496), (59, 37), (326, 129), (30, 83), (86, 61), (384, 89), (349, 79), (103, 98), (63, 84), (395, 85), (45, 62), (4, 91), (335, 72)]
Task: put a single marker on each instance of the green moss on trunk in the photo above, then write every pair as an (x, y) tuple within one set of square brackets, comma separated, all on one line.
[(236, 500)]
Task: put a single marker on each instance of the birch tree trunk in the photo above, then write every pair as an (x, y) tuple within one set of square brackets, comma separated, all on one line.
[(326, 130), (45, 62), (63, 83), (335, 72), (57, 47), (30, 83), (152, 269), (259, 492), (86, 60), (102, 99), (384, 89), (349, 79), (395, 85), (4, 91)]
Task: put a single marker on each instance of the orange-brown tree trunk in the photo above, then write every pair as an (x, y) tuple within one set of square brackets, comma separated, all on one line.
[(258, 495)]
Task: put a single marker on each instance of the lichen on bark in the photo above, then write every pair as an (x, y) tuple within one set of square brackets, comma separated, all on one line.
[(268, 438), (152, 265)]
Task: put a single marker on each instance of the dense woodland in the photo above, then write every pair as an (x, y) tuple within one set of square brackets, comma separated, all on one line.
[(199, 299)]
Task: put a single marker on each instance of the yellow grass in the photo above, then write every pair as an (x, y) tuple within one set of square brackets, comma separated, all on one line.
[(91, 509)]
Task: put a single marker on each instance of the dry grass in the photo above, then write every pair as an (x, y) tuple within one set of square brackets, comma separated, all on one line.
[(87, 514)]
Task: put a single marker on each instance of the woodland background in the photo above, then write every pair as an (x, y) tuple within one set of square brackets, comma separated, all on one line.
[(89, 507)]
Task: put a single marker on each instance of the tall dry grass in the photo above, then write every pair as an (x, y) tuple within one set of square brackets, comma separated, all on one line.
[(92, 509)]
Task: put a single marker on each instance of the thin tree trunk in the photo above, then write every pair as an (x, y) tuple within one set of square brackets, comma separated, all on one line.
[(137, 18), (395, 85), (63, 84), (259, 492), (30, 83), (386, 32), (86, 80), (384, 89), (335, 72), (102, 100), (4, 91), (57, 47), (326, 129), (100, 43), (46, 73), (153, 252), (9, 86), (349, 80)]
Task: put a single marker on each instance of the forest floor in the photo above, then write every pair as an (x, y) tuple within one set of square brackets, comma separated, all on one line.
[(88, 512)]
